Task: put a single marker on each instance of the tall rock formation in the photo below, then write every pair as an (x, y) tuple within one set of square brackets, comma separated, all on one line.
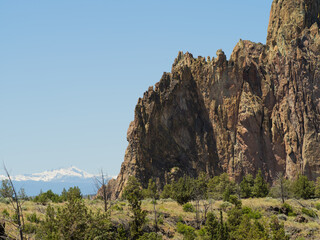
[(258, 110)]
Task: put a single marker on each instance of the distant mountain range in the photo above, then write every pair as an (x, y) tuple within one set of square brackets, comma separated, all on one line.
[(56, 180)]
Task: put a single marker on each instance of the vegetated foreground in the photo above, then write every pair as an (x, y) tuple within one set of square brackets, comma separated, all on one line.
[(171, 213), (201, 208)]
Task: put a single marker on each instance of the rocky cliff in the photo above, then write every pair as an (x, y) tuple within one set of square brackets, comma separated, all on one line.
[(257, 110)]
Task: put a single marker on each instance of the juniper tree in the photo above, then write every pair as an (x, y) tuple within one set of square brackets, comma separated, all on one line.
[(260, 187), (132, 192)]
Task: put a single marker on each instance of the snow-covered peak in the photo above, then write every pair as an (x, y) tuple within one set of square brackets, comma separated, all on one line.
[(53, 175)]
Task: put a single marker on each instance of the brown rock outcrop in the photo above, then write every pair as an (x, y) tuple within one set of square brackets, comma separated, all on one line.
[(257, 110)]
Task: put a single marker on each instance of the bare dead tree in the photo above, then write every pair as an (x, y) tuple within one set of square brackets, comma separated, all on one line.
[(281, 186), (206, 206), (101, 183), (15, 202)]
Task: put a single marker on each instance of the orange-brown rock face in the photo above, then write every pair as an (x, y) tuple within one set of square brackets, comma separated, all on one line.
[(258, 110)]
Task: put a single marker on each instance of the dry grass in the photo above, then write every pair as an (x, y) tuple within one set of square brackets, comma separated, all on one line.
[(171, 212)]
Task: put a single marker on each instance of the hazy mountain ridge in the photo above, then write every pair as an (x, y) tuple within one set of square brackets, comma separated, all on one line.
[(54, 175), (56, 180)]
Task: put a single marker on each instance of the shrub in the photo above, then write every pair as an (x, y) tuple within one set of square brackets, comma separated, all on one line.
[(251, 213), (211, 228), (317, 188), (43, 198), (74, 221), (183, 190), (74, 193), (225, 205), (33, 218), (303, 188), (188, 207), (317, 206), (117, 207), (309, 212), (166, 192), (188, 232), (277, 229), (234, 200), (5, 213), (160, 219), (260, 187), (30, 228), (246, 186), (180, 219), (288, 210), (220, 187), (150, 236)]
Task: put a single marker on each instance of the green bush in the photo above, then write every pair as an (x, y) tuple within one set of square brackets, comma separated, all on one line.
[(260, 187), (288, 210), (246, 186), (150, 236), (160, 219), (309, 212), (117, 207), (251, 213), (30, 228), (220, 187), (33, 218), (234, 200), (5, 213), (317, 206), (188, 232), (167, 192), (183, 190), (45, 197), (74, 221), (180, 219), (225, 205), (303, 188), (188, 207)]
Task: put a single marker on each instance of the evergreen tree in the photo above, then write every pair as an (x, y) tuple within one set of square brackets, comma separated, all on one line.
[(246, 186), (6, 190), (183, 190), (277, 230), (64, 195), (303, 188), (260, 187), (154, 195), (74, 193), (132, 192), (201, 186), (212, 226), (220, 187), (167, 192), (223, 229), (317, 188)]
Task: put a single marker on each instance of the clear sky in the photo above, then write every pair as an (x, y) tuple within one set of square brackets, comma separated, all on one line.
[(71, 71)]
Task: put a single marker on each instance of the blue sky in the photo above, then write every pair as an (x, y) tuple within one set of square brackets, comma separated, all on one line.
[(72, 71)]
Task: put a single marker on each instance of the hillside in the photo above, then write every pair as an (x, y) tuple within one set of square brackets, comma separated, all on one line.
[(170, 213)]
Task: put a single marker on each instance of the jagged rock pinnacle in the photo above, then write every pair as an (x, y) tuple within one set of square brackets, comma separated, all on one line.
[(258, 110), (288, 19)]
